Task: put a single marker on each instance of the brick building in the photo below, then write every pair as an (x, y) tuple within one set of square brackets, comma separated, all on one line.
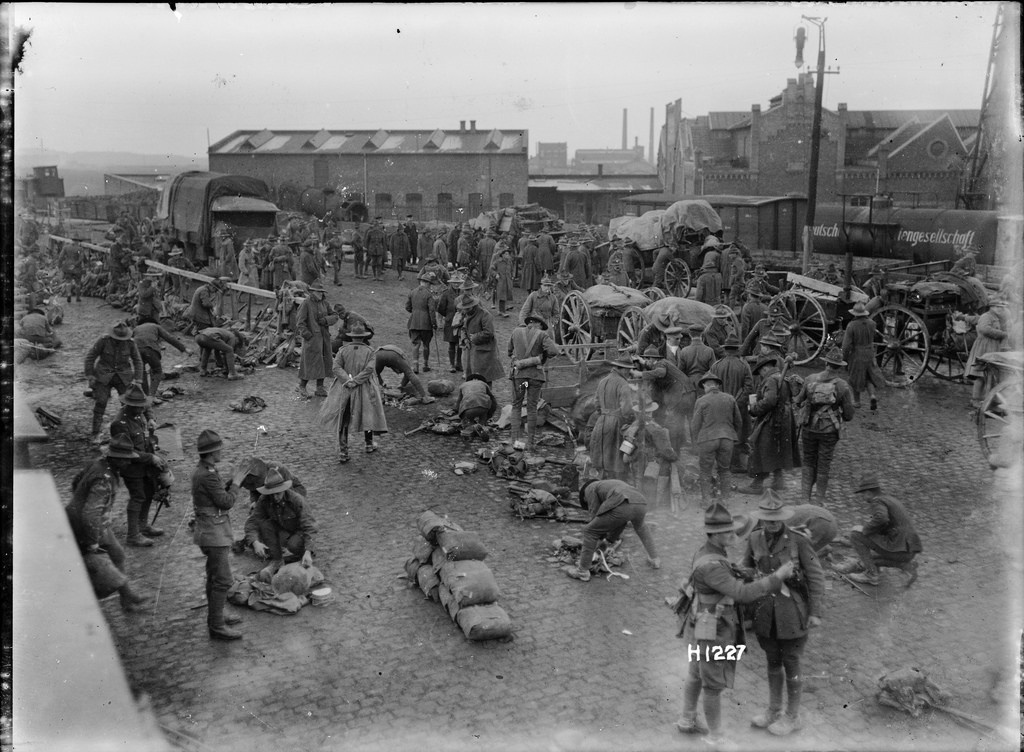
[(446, 175), (917, 156)]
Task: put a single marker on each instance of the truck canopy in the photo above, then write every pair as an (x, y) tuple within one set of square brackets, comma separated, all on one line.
[(188, 204), (660, 227)]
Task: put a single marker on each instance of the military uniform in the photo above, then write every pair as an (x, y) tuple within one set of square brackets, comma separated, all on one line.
[(111, 363), (528, 348), (422, 308)]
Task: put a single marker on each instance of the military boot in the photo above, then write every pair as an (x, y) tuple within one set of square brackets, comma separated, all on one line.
[(135, 537), (774, 711)]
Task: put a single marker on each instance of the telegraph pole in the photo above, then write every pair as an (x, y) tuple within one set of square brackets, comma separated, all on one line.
[(812, 178)]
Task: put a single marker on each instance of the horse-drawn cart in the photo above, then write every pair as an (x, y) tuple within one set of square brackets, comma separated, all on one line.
[(602, 313), (681, 228)]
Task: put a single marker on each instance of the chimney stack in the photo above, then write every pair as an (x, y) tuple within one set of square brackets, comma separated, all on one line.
[(650, 153), (462, 126), (624, 111), (600, 170), (472, 126)]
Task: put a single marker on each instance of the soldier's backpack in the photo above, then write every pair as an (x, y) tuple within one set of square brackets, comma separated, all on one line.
[(822, 399)]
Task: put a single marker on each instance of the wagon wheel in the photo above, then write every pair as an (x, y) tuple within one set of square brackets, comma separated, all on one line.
[(653, 293), (901, 344), (630, 326), (805, 319), (947, 358), (678, 278), (625, 267), (1001, 421), (575, 326)]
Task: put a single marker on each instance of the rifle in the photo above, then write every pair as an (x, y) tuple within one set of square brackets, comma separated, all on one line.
[(421, 427), (163, 497)]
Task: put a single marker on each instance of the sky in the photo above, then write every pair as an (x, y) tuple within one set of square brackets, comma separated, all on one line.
[(141, 78)]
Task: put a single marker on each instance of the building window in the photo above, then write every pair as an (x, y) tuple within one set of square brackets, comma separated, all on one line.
[(382, 205), (444, 207), (506, 199), (938, 148), (476, 204), (414, 205)]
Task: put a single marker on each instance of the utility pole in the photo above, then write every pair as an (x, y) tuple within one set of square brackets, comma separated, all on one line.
[(812, 178)]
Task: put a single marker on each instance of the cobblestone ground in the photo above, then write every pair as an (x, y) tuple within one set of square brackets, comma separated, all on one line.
[(592, 666)]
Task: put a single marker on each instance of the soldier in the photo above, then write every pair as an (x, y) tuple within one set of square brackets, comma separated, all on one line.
[(859, 350), (140, 474), (176, 259), (577, 264), (309, 271), (248, 270), (715, 428), (696, 358), (348, 320), (215, 339), (738, 381), (478, 341), (502, 277), (485, 254), (280, 526), (773, 437), (376, 242), (147, 338), (212, 501), (717, 330), (71, 261), (400, 249), (826, 402), (529, 347), (413, 236), (313, 323), (422, 308), (888, 539), (205, 308), (354, 400), (716, 591), (614, 410), (613, 504), (117, 262), (150, 305), (543, 303), (391, 356), (709, 283), (36, 328), (253, 473), (336, 254), (94, 490), (476, 403), (781, 621), (447, 310), (282, 262), (113, 362)]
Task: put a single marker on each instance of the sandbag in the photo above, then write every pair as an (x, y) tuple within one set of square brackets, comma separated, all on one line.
[(461, 544), (105, 577), (448, 600), (487, 622), (412, 564), (430, 524), (422, 551), (471, 582), (428, 581)]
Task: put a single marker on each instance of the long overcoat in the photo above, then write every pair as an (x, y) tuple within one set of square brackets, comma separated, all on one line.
[(773, 438), (531, 268), (502, 267), (859, 353), (614, 410), (313, 322), (356, 361), (482, 349)]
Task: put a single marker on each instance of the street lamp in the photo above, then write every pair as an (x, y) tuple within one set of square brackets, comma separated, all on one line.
[(812, 179)]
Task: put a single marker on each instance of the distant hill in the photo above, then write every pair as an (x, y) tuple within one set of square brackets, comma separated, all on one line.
[(83, 171)]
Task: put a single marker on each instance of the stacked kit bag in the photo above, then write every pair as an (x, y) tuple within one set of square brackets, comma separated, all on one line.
[(448, 567)]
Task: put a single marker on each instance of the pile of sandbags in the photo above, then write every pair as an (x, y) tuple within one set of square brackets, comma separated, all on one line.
[(448, 566)]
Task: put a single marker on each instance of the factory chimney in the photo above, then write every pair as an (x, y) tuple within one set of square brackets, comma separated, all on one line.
[(624, 142), (650, 154)]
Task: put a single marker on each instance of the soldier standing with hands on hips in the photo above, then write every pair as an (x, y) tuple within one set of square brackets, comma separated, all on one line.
[(212, 500)]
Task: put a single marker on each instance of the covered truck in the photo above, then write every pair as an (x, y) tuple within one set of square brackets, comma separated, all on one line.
[(197, 205)]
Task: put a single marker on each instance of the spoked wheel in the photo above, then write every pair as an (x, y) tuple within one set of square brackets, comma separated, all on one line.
[(1001, 423), (630, 326), (805, 320), (901, 345), (947, 358), (678, 278), (575, 326), (653, 293), (626, 267)]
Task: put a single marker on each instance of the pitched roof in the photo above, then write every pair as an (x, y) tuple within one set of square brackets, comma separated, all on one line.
[(340, 141), (921, 132), (891, 119)]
